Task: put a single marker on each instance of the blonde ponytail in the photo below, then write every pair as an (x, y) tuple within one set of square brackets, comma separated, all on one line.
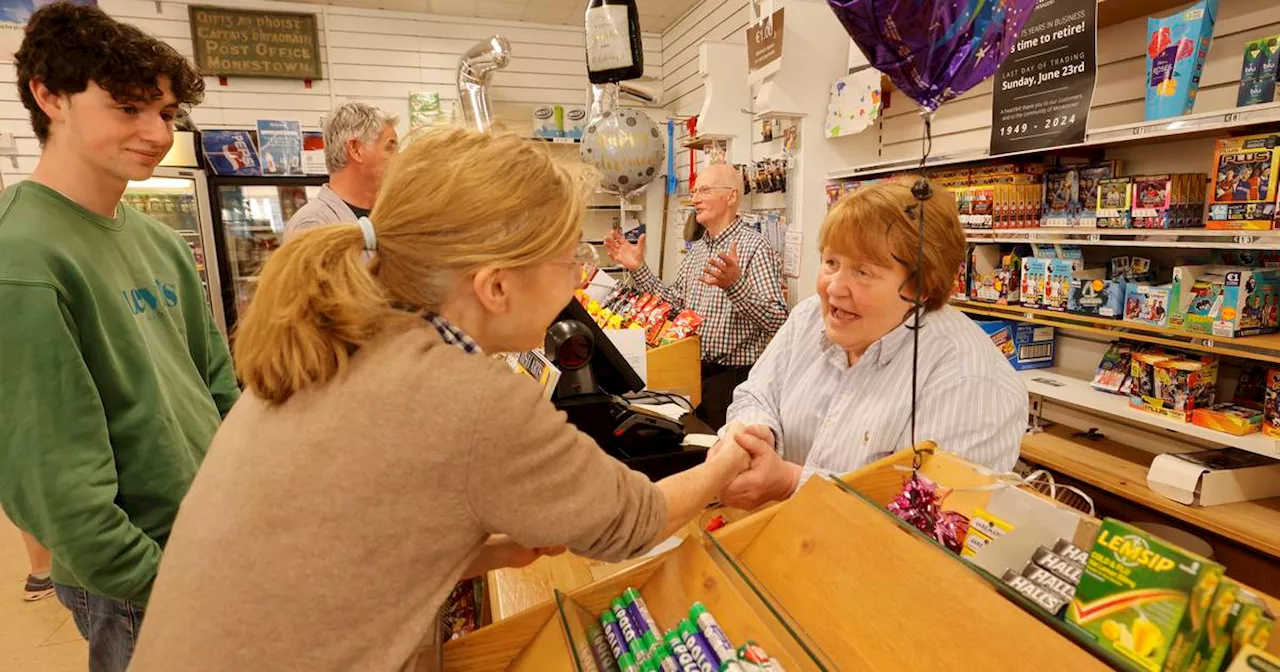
[(316, 304)]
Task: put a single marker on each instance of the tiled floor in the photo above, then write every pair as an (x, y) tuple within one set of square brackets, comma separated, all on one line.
[(34, 636)]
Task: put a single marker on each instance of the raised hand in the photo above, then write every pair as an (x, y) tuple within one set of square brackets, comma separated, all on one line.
[(724, 269), (629, 256)]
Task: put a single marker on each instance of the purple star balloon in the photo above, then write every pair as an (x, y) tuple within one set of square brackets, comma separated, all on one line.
[(934, 50)]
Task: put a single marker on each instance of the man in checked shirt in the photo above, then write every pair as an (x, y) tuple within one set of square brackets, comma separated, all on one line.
[(731, 277)]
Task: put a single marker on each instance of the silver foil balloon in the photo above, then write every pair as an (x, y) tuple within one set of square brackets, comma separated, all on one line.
[(626, 147), (475, 69)]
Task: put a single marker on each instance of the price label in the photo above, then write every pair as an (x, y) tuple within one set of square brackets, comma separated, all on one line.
[(1028, 316), (1094, 237), (1140, 130), (1230, 117), (1245, 240)]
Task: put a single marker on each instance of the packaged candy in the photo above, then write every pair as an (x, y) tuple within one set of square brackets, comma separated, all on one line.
[(1176, 49), (1144, 598), (1064, 569), (697, 644), (1043, 597), (711, 631), (1049, 581)]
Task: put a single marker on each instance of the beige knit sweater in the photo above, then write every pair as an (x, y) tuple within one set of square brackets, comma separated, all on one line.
[(325, 533)]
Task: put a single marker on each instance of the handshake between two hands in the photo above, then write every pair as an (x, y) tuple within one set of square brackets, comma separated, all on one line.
[(763, 476)]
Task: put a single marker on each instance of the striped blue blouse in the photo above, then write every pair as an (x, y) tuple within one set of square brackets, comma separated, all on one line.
[(834, 418)]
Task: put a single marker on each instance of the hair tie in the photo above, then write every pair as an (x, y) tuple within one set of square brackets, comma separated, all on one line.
[(370, 237)]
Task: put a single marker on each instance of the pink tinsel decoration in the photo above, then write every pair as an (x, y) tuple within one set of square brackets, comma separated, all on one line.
[(920, 505)]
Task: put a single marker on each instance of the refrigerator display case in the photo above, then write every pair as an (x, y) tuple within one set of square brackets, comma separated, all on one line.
[(179, 198), (249, 216)]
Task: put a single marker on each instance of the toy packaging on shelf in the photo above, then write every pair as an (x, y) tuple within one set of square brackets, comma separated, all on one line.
[(1228, 417), (1176, 49), (1171, 385), (1226, 301), (1271, 409), (1258, 71), (1096, 296), (1173, 201), (994, 274), (1046, 277), (1114, 369), (1091, 178), (1115, 203), (1144, 598), (1248, 258), (1148, 304), (1061, 198), (1243, 193), (1026, 346), (1130, 268)]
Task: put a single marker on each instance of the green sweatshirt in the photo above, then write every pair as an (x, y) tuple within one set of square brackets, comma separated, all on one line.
[(113, 379)]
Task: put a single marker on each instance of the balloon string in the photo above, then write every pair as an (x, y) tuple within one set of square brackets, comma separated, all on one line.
[(922, 192)]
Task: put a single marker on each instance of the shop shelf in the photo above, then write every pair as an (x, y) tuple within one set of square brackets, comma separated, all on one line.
[(1066, 389), (702, 142), (1122, 471), (1265, 348), (1163, 238), (1163, 130)]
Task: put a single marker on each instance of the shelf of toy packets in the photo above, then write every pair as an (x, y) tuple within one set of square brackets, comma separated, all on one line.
[(807, 581), (1086, 200), (1185, 127), (1209, 239)]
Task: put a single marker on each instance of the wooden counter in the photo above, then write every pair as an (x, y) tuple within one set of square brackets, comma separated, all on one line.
[(1122, 470)]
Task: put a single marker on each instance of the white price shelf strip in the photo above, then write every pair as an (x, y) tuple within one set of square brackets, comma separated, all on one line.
[(1143, 131), (1075, 392), (1168, 238)]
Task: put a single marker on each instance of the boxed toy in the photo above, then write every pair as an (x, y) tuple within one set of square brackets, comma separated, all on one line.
[(1144, 598), (1132, 269), (1174, 201), (1243, 193), (1114, 368), (1258, 71), (995, 275), (1026, 346), (1115, 203), (1226, 301), (1061, 197), (1176, 49), (1093, 295), (1091, 176), (1142, 375), (961, 292), (1271, 409), (1228, 417), (1177, 382), (1148, 304)]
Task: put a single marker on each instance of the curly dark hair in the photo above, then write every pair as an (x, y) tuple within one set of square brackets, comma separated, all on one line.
[(66, 46)]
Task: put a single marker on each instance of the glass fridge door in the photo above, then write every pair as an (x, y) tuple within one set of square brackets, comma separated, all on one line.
[(178, 199), (253, 219)]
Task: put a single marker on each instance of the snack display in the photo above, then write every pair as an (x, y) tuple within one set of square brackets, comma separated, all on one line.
[(625, 309), (1144, 598), (636, 642)]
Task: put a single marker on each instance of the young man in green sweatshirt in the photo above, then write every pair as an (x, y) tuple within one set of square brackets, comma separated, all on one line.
[(113, 377)]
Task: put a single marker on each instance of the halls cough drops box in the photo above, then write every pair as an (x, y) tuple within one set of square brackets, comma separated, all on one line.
[(1144, 598)]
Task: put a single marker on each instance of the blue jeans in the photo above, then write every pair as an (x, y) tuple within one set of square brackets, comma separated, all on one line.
[(110, 626)]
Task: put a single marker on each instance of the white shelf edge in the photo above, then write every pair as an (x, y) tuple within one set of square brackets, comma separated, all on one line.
[(1080, 393), (1171, 128)]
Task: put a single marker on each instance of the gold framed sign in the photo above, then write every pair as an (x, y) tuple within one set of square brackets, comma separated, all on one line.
[(252, 43)]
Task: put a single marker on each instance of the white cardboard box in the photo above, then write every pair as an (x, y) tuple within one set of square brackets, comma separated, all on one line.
[(1212, 477)]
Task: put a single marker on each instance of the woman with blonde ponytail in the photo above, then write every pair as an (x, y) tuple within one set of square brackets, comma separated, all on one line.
[(376, 457)]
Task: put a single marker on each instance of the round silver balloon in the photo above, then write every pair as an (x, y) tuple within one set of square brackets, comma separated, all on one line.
[(626, 147)]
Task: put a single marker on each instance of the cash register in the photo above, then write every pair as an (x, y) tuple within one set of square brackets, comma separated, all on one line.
[(593, 378)]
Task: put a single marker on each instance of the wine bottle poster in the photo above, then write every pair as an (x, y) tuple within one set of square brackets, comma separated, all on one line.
[(1045, 87), (614, 49)]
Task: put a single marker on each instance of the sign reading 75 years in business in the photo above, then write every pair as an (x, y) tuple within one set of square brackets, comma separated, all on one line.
[(1044, 88), (255, 44)]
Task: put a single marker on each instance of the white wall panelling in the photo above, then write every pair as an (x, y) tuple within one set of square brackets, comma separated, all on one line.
[(372, 55)]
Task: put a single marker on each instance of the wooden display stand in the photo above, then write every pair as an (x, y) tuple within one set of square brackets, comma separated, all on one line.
[(677, 368)]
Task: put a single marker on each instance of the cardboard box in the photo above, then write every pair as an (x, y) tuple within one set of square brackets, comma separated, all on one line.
[(1148, 304), (1243, 190), (1229, 418), (1225, 300), (1215, 633), (1115, 203), (1144, 598), (1271, 405), (995, 276), (1095, 296), (1254, 659), (1026, 346), (1213, 477)]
